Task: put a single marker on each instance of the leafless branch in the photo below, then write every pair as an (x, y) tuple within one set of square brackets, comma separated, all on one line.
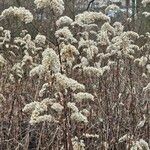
[(89, 4)]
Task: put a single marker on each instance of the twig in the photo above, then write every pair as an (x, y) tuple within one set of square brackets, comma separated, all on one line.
[(89, 4)]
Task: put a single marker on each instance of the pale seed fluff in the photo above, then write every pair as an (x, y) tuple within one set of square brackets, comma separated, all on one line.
[(72, 106), (1, 28), (118, 28), (103, 38), (27, 37), (56, 5), (47, 118), (85, 43), (79, 117), (17, 70), (144, 75), (92, 71), (51, 60), (43, 89), (19, 40), (37, 108), (65, 34), (87, 135), (2, 60), (40, 39), (147, 88), (105, 69), (90, 17), (26, 42), (112, 7), (11, 78), (144, 144), (19, 12), (7, 36), (146, 14), (148, 68), (68, 52), (135, 146), (64, 21), (40, 107), (142, 61), (48, 101), (145, 2), (107, 27), (142, 122), (131, 34), (63, 82), (79, 97), (124, 138), (29, 107), (38, 70), (27, 59), (84, 61), (33, 119), (106, 145), (85, 112), (137, 143), (129, 20), (91, 51), (57, 107), (77, 144), (69, 49)]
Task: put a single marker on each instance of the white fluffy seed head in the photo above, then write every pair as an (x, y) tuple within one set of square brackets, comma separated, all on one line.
[(78, 144), (78, 117), (64, 21), (63, 82), (19, 12), (79, 97), (111, 7), (51, 60), (2, 60), (72, 106), (38, 70), (56, 5), (40, 39), (144, 144), (57, 107), (90, 17), (145, 2)]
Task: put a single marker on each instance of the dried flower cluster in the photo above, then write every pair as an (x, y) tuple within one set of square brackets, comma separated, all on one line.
[(145, 2), (64, 21), (90, 17), (111, 7), (56, 5), (20, 13), (91, 85)]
